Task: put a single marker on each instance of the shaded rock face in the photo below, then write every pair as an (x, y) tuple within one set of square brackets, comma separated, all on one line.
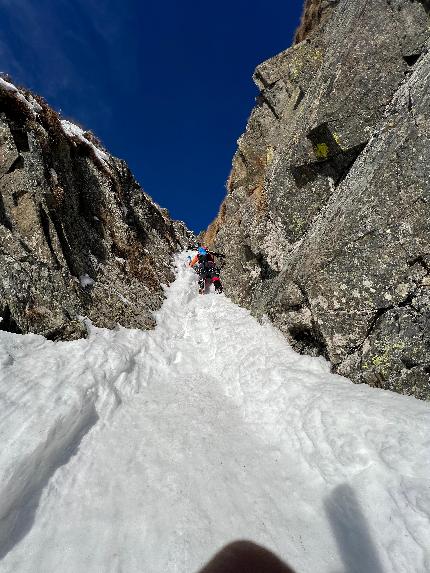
[(78, 236), (327, 217)]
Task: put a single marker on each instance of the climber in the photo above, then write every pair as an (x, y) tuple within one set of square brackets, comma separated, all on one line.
[(204, 265)]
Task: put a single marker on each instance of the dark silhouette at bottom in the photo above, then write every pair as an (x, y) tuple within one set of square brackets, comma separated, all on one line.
[(245, 557)]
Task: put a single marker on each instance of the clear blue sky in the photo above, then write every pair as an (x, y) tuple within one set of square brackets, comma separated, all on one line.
[(165, 85)]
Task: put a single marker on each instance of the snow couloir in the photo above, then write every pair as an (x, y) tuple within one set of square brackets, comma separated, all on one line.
[(149, 450)]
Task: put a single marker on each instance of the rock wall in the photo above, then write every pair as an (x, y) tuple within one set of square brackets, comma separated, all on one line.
[(326, 222), (314, 12), (78, 236)]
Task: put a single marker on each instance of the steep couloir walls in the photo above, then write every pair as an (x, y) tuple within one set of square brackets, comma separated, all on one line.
[(326, 221), (78, 236)]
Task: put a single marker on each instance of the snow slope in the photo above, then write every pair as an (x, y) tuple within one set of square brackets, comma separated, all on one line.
[(147, 451)]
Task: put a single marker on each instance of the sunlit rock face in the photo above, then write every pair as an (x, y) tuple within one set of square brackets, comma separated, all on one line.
[(326, 222), (78, 236)]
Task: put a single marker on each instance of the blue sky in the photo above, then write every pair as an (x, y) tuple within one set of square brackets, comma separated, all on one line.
[(165, 85)]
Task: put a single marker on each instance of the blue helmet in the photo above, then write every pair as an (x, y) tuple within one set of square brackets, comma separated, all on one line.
[(202, 251)]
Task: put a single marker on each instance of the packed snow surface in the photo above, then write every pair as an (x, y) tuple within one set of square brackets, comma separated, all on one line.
[(138, 451)]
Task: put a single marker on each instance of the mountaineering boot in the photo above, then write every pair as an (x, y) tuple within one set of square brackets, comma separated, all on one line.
[(218, 286), (201, 286)]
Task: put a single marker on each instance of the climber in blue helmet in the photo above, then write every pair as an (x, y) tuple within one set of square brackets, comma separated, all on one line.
[(204, 265), (201, 253)]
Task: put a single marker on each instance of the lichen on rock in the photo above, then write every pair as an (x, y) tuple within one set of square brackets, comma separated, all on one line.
[(344, 117)]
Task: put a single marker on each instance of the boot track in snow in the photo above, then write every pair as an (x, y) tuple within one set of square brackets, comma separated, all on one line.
[(147, 451)]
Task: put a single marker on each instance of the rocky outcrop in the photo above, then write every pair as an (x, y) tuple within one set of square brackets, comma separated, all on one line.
[(314, 12), (326, 220), (78, 236)]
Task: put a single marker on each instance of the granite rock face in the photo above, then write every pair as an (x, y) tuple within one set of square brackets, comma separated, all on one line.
[(78, 236), (326, 222)]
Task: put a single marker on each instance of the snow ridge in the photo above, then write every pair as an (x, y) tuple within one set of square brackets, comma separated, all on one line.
[(207, 429)]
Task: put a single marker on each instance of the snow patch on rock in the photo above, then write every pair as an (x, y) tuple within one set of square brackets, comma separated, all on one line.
[(74, 131)]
